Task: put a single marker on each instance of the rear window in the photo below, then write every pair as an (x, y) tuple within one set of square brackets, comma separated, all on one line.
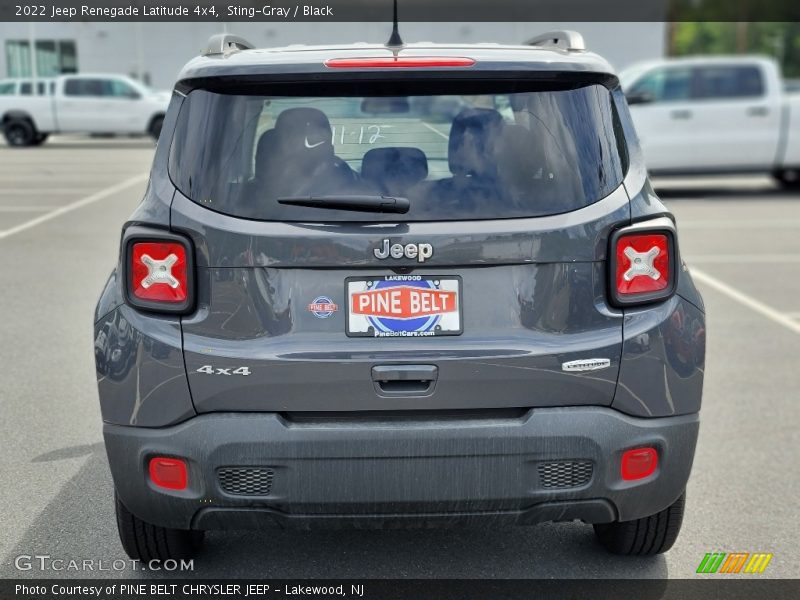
[(488, 155)]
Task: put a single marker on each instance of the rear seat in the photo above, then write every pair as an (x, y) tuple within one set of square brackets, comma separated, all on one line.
[(394, 170)]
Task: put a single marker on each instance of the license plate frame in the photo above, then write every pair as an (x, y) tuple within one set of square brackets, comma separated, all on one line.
[(412, 326)]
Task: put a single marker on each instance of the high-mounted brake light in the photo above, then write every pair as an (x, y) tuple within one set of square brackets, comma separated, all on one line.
[(402, 62), (159, 273), (642, 266)]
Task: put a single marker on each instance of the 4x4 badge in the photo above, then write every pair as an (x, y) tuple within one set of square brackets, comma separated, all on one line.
[(419, 251)]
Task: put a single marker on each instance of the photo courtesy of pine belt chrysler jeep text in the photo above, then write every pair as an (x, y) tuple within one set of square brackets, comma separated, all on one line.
[(417, 285)]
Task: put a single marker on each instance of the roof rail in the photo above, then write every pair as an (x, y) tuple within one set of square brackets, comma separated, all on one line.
[(225, 44), (566, 39)]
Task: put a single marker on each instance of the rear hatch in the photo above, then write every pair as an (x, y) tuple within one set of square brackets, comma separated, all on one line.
[(318, 291)]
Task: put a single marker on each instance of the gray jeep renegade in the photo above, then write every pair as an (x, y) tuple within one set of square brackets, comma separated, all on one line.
[(382, 286)]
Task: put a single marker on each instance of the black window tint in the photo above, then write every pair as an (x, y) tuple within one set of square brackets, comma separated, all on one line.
[(489, 155), (87, 87), (728, 82), (73, 87), (26, 88)]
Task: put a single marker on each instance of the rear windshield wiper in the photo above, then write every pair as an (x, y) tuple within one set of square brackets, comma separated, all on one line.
[(384, 204)]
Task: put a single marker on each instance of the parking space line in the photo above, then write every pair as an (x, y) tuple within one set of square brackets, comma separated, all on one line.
[(40, 208), (739, 224), (745, 300), (101, 195), (434, 130), (743, 258), (32, 191)]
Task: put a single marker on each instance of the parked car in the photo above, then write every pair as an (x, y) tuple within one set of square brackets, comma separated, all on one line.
[(30, 110), (715, 114), (372, 319)]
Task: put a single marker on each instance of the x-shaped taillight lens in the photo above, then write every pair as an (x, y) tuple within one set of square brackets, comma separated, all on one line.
[(159, 272), (642, 264)]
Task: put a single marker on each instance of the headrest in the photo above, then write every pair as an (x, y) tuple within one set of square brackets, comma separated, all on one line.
[(304, 131), (395, 168), (521, 156), (266, 153), (473, 139)]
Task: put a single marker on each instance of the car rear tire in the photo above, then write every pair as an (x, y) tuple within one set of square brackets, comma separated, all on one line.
[(155, 127), (788, 178), (19, 133), (646, 536), (41, 139), (145, 542)]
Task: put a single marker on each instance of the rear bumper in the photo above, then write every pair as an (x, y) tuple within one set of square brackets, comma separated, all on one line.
[(384, 472)]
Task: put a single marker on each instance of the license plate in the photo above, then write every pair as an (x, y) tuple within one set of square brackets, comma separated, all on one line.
[(403, 306)]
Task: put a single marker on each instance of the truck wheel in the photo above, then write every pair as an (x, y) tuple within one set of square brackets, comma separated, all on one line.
[(19, 133), (646, 536), (155, 127), (41, 139), (789, 178), (145, 542)]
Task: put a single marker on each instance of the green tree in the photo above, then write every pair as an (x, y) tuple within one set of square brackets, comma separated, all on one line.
[(781, 40)]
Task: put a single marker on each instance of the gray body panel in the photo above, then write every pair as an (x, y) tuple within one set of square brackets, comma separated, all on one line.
[(533, 294), (140, 371)]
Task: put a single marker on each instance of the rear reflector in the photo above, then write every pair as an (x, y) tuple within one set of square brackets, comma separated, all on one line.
[(159, 272), (638, 463), (169, 473), (402, 62)]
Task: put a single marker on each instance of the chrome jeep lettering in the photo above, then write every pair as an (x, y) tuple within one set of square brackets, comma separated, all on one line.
[(420, 252)]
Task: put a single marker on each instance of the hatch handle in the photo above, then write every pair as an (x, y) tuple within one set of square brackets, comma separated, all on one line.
[(405, 380)]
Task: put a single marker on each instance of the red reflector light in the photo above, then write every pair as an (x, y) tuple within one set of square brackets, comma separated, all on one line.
[(403, 62), (169, 473), (638, 463), (159, 272), (642, 263)]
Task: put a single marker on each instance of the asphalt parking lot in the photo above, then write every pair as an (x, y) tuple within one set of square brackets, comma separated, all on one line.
[(61, 207)]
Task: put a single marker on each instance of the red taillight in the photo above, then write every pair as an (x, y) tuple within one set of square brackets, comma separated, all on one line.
[(642, 264), (169, 473), (407, 62), (159, 272), (638, 463)]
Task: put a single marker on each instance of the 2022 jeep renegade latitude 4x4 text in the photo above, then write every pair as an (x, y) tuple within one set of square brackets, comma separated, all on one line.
[(386, 286)]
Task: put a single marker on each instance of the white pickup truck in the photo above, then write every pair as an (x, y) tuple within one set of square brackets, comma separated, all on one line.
[(725, 114), (30, 110)]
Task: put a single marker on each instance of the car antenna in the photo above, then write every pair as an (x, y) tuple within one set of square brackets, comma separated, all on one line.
[(395, 41)]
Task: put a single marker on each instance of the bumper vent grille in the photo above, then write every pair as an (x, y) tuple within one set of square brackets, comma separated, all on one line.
[(565, 474), (246, 481)]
